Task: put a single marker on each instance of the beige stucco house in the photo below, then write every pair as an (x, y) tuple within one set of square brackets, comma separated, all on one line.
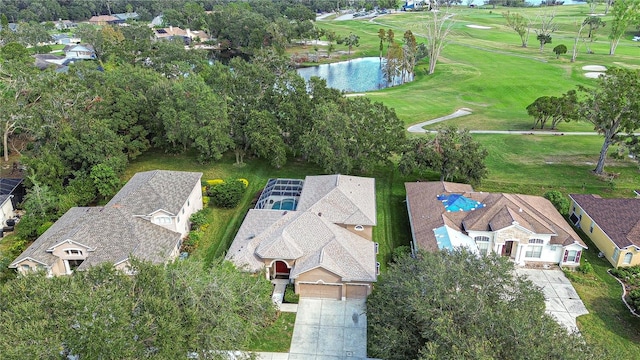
[(316, 233), (527, 229), (612, 224), (147, 219)]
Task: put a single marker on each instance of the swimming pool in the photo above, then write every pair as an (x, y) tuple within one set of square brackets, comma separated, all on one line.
[(285, 204)]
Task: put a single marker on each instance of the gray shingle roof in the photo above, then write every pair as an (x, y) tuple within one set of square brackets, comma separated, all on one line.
[(151, 191), (342, 199), (618, 218), (114, 232), (501, 210), (310, 235)]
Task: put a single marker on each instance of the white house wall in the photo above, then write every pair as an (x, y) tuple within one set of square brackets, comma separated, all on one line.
[(6, 211)]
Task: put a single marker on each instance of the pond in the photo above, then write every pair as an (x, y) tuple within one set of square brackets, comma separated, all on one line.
[(357, 75)]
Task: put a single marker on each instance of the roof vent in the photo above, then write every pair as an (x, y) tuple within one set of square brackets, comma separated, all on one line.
[(520, 210), (284, 213), (251, 236), (319, 214)]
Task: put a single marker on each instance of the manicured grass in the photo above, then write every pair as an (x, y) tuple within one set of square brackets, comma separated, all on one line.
[(277, 337), (609, 323), (488, 71)]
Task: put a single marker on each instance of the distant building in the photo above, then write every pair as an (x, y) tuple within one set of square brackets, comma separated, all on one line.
[(103, 20), (187, 35)]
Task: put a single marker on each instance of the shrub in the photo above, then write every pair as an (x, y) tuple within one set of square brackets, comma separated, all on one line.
[(200, 218), (634, 298), (558, 200), (585, 268), (205, 201), (245, 182), (399, 252), (227, 195), (290, 295), (214, 182), (192, 241)]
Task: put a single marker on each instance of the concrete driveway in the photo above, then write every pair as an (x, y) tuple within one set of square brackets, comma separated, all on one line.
[(561, 299), (329, 330)]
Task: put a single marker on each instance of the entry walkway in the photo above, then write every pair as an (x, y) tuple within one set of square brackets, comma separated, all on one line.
[(561, 299)]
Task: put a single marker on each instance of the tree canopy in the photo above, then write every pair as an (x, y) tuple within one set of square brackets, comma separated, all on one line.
[(451, 153), (160, 311), (457, 305), (612, 107)]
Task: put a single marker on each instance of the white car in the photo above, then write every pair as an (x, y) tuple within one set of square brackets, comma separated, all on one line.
[(636, 38)]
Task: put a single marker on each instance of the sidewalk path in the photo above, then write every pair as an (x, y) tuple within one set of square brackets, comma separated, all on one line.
[(418, 128)]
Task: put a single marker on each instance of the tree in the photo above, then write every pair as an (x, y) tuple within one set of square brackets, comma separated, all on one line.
[(170, 311), (574, 51), (625, 13), (553, 108), (193, 116), (105, 180), (543, 39), (392, 67), (457, 305), (438, 27), (382, 35), (452, 153), (351, 41), (520, 24), (559, 50), (409, 55), (546, 26), (611, 107), (558, 200), (390, 37)]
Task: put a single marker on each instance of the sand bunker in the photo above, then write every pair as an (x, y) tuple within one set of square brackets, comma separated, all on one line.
[(593, 74), (479, 27), (594, 68)]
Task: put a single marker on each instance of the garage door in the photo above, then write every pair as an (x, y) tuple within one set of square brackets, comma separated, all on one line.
[(356, 291), (321, 291)]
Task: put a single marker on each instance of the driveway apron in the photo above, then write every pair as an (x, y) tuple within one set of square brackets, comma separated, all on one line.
[(328, 329)]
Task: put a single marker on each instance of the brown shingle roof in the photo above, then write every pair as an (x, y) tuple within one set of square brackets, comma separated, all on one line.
[(533, 213), (618, 218)]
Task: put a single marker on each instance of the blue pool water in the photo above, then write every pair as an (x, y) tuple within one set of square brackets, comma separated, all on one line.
[(357, 75), (286, 204)]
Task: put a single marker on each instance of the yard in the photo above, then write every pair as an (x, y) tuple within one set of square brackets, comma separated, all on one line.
[(489, 72)]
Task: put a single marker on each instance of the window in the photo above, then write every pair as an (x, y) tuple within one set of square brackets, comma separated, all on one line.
[(533, 251), (616, 254), (573, 256), (377, 268), (163, 220), (188, 203), (73, 252), (182, 211), (536, 241), (358, 228), (483, 244), (377, 247), (591, 227), (627, 258), (554, 248), (25, 267)]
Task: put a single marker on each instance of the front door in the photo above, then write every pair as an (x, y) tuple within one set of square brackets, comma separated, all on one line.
[(282, 271), (506, 249)]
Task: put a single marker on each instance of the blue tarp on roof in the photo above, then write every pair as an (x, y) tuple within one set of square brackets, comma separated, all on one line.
[(442, 238), (457, 202)]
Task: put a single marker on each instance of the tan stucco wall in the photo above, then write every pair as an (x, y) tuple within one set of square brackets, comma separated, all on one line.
[(366, 233), (319, 274), (6, 212)]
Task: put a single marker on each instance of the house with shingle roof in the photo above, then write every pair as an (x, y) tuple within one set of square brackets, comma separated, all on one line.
[(527, 229), (612, 224), (316, 233), (103, 20), (147, 219)]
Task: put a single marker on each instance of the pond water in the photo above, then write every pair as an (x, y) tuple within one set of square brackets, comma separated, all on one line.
[(358, 75)]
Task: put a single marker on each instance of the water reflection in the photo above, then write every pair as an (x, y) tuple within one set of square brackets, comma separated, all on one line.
[(358, 75)]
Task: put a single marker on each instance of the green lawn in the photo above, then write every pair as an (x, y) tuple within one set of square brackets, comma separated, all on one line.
[(490, 73), (609, 322), (277, 337)]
